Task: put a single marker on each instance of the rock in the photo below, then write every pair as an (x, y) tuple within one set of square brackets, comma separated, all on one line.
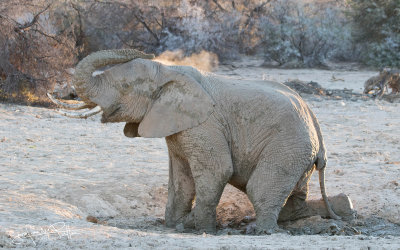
[(341, 204), (92, 219)]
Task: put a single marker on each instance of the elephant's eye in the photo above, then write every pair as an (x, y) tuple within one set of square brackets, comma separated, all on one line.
[(114, 111)]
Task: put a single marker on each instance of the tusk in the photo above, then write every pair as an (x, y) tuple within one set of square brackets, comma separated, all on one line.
[(85, 114), (71, 106)]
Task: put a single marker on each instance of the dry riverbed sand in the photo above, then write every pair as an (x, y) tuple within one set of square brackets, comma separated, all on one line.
[(56, 171)]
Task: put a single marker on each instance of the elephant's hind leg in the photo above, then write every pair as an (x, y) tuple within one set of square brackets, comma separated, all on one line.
[(296, 206), (181, 191), (268, 189)]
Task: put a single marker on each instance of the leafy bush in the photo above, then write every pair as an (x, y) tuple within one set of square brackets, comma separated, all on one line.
[(376, 30), (306, 34), (384, 53), (199, 30)]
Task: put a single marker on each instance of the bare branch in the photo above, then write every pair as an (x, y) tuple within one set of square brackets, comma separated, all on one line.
[(34, 20), (218, 5), (140, 19), (10, 20)]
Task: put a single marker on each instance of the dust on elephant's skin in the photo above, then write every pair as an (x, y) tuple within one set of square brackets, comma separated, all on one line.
[(259, 136)]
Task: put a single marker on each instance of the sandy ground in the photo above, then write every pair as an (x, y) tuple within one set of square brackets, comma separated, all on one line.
[(56, 171)]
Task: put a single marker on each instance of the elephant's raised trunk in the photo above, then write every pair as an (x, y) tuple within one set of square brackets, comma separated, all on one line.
[(83, 79)]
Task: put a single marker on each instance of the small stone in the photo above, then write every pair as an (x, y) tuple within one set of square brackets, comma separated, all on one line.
[(92, 219)]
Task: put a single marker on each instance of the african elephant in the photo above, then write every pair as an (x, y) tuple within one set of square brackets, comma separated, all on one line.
[(259, 136)]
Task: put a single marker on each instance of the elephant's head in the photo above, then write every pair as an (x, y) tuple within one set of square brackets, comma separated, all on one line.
[(153, 99)]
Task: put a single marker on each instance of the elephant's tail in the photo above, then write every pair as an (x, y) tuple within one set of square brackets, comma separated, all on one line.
[(321, 164)]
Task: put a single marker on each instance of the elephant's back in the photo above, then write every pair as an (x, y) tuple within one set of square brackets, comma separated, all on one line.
[(263, 101)]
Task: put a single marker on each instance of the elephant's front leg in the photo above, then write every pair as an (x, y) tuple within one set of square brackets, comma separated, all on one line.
[(211, 165), (181, 191)]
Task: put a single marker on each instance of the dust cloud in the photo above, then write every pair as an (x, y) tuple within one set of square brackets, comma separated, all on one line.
[(204, 60)]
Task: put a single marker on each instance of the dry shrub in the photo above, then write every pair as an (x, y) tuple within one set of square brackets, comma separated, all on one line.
[(39, 42), (40, 39)]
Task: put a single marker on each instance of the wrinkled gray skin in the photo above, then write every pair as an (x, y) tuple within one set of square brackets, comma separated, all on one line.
[(259, 136)]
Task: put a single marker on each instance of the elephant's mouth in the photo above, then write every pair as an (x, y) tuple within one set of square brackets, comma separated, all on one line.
[(93, 108), (110, 114)]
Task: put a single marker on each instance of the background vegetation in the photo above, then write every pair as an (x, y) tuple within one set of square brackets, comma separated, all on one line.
[(40, 41)]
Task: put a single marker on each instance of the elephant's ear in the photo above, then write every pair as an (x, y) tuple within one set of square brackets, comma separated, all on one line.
[(182, 103)]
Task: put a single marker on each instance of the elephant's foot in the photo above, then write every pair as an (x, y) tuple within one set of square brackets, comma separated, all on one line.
[(341, 205), (199, 222), (186, 223), (269, 231), (170, 218), (265, 227), (205, 221), (173, 218)]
